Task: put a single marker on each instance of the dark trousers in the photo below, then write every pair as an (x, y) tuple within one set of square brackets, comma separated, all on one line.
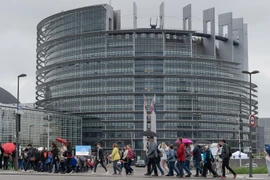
[(101, 162), (208, 166), (172, 167), (63, 166), (32, 163), (158, 166), (225, 163), (55, 163), (197, 166), (180, 165), (152, 163), (69, 165), (130, 170), (126, 168), (186, 166), (1, 158), (115, 167), (6, 159)]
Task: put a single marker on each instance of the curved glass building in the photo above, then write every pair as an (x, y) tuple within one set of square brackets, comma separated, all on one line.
[(87, 65)]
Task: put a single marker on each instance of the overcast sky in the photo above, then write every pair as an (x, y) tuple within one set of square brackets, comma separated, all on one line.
[(18, 20)]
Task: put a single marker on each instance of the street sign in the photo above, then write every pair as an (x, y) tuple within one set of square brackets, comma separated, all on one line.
[(252, 120)]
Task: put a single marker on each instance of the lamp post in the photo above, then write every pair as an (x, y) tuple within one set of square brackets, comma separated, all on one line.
[(18, 121), (239, 139), (30, 133), (250, 112), (48, 130)]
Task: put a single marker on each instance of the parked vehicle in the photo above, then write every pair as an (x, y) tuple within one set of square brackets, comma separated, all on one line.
[(140, 163)]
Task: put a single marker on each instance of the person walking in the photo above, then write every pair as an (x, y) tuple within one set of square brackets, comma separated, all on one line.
[(197, 158), (208, 159), (267, 159), (188, 159), (30, 158), (63, 156), (55, 158), (180, 157), (130, 158), (226, 155), (158, 159), (99, 159), (219, 159), (125, 160), (163, 149), (115, 157), (151, 155), (171, 161), (69, 157)]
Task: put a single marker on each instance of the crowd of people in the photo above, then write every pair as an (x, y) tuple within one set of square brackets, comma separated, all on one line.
[(169, 160), (55, 160), (166, 158)]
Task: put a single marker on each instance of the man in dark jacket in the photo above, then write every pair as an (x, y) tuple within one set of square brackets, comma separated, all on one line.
[(151, 155), (30, 157), (99, 159), (197, 158), (225, 155)]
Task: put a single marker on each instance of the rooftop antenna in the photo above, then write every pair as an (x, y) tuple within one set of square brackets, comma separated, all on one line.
[(153, 26)]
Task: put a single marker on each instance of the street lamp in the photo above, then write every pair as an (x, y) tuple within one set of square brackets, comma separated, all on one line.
[(18, 121), (250, 112), (48, 130), (30, 132)]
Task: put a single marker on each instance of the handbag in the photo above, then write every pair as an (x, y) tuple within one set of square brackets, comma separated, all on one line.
[(32, 159)]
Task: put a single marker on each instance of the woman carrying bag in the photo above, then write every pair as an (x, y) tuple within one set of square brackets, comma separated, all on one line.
[(115, 157)]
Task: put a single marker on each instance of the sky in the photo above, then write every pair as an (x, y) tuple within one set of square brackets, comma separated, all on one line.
[(19, 18)]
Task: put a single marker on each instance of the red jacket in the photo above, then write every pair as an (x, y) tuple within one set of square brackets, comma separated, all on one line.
[(181, 152)]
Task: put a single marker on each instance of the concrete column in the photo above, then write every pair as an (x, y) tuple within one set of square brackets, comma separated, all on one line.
[(187, 17), (209, 43), (161, 15), (225, 47)]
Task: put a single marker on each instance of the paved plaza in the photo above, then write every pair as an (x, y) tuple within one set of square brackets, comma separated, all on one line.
[(139, 174)]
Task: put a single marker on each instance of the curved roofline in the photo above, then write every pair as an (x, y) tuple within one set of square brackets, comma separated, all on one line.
[(6, 97), (66, 12)]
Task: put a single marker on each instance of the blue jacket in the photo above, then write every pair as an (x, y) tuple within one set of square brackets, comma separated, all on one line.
[(207, 156), (170, 155)]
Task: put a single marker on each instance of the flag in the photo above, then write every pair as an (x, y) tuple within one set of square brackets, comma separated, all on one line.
[(144, 121), (153, 115), (144, 113)]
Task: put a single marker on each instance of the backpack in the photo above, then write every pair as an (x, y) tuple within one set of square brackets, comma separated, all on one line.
[(230, 151), (160, 154), (134, 155)]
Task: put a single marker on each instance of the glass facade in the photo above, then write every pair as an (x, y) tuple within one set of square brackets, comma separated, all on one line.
[(102, 75), (34, 127)]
